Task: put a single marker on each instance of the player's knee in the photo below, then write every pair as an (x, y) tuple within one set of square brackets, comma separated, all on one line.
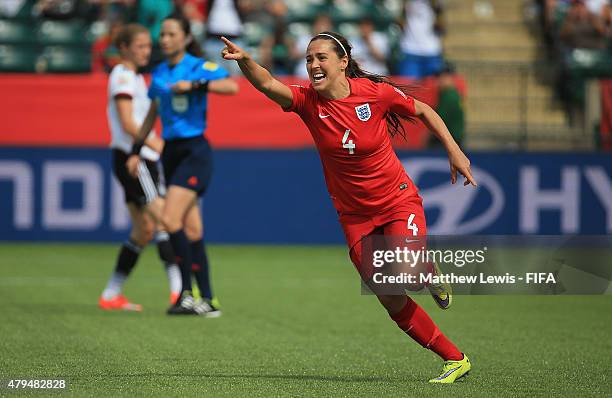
[(139, 237), (170, 223), (148, 232), (193, 233), (393, 304)]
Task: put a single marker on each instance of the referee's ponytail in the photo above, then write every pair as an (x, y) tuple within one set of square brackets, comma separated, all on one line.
[(193, 47), (353, 70)]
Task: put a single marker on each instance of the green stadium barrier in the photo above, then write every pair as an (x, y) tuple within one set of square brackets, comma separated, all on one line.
[(18, 59), (61, 59), (16, 32)]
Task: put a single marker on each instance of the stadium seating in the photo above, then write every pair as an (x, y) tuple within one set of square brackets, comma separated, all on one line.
[(60, 32), (28, 45), (17, 58), (64, 59), (15, 31)]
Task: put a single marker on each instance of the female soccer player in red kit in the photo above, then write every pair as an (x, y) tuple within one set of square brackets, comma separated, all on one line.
[(350, 114)]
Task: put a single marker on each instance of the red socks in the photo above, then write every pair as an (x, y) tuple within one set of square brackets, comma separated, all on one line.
[(415, 322)]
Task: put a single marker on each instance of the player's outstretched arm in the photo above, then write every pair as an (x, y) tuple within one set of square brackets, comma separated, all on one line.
[(257, 75), (457, 159)]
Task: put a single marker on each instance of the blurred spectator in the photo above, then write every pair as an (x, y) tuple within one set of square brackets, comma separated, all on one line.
[(151, 14), (225, 18), (581, 28), (111, 10), (11, 8), (104, 54), (321, 23), (57, 9), (596, 6), (370, 48), (606, 16), (195, 12), (277, 47), (420, 44), (450, 106)]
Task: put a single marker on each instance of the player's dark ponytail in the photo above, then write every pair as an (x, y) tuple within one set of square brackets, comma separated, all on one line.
[(353, 70), (193, 47)]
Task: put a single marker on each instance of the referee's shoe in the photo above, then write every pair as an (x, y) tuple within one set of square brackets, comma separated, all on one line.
[(185, 305)]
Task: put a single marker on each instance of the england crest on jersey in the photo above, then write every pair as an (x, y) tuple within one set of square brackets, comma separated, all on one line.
[(363, 112)]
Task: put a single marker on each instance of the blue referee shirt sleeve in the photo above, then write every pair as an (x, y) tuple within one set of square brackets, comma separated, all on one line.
[(210, 71)]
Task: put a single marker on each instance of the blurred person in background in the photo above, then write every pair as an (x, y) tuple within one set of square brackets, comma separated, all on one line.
[(12, 8), (59, 9), (582, 29), (104, 53), (371, 48), (421, 42), (195, 12), (607, 20), (276, 48), (151, 13), (321, 23), (127, 107), (179, 93), (224, 18), (596, 6), (450, 106), (111, 10)]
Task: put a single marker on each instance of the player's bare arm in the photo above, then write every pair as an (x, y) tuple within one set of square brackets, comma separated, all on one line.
[(457, 159), (139, 139), (124, 109), (257, 75), (225, 86)]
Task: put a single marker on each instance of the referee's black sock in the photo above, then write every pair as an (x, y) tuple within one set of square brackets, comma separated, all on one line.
[(180, 244), (201, 268), (126, 260)]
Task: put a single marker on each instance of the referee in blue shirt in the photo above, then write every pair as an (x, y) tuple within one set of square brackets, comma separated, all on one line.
[(178, 91)]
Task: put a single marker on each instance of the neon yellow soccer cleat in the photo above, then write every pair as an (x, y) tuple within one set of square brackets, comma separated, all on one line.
[(453, 370), (442, 293)]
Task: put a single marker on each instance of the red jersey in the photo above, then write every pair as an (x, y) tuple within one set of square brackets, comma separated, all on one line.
[(362, 172)]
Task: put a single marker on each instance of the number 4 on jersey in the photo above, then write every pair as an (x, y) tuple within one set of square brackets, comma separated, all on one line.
[(348, 145)]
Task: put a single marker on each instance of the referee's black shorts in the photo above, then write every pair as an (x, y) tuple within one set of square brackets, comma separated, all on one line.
[(141, 190), (188, 163)]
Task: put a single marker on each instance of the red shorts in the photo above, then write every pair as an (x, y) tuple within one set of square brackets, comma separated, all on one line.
[(405, 220)]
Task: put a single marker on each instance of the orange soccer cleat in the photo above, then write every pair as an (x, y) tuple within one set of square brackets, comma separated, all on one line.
[(119, 302)]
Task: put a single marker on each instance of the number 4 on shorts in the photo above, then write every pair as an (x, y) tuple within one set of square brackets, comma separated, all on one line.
[(412, 227)]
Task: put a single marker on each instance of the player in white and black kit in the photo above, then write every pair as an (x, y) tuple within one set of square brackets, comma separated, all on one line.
[(128, 104)]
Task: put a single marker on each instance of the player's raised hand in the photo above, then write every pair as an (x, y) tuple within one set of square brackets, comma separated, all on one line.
[(460, 163), (232, 52)]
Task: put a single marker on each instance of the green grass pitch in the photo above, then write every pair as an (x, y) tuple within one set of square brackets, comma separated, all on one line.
[(294, 324)]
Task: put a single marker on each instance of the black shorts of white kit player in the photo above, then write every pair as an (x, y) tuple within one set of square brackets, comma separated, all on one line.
[(143, 189)]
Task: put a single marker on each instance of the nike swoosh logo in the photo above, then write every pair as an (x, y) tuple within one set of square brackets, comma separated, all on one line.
[(323, 116), (447, 373)]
